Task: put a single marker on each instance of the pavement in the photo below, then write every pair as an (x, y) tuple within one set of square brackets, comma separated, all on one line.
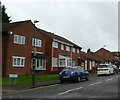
[(29, 86)]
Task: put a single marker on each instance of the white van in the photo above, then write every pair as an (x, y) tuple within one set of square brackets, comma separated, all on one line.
[(105, 69)]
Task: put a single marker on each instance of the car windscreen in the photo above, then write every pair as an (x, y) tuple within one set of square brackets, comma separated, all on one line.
[(102, 66), (70, 69)]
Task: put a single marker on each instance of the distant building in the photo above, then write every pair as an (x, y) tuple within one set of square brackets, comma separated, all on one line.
[(106, 55), (90, 61), (117, 57)]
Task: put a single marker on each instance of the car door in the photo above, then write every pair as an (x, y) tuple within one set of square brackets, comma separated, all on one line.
[(82, 72)]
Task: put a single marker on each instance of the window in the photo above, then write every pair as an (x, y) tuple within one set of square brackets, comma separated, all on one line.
[(78, 51), (73, 63), (62, 47), (19, 39), (93, 63), (40, 64), (90, 65), (73, 50), (18, 61), (54, 62), (55, 44), (68, 62), (36, 42), (67, 48), (62, 62)]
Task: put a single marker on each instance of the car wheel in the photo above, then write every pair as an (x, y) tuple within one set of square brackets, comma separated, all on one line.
[(109, 73), (78, 79), (87, 78)]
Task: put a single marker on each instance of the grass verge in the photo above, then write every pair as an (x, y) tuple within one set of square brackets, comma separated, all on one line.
[(27, 79)]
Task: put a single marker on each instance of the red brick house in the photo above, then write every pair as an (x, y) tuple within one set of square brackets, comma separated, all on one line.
[(97, 60), (89, 61), (60, 52), (105, 54), (17, 48), (117, 57), (53, 52)]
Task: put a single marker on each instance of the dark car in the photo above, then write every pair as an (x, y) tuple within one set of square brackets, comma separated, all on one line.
[(116, 69), (75, 73), (118, 65)]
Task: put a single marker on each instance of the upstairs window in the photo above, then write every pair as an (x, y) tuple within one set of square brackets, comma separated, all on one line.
[(78, 51), (62, 47), (36, 42), (73, 49), (55, 44), (67, 48), (18, 39)]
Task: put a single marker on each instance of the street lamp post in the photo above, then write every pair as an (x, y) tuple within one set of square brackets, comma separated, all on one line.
[(34, 55)]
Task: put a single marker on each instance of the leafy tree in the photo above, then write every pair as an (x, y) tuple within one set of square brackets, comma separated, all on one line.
[(5, 17), (88, 50)]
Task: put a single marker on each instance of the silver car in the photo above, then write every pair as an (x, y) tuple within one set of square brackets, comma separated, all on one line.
[(105, 69), (116, 69)]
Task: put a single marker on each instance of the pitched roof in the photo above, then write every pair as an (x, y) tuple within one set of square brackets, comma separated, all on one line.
[(98, 58), (88, 56), (106, 54), (60, 38), (116, 53), (7, 26)]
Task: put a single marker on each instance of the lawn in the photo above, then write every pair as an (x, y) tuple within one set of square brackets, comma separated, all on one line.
[(27, 79)]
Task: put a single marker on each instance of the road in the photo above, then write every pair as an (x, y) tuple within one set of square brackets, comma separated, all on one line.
[(96, 87)]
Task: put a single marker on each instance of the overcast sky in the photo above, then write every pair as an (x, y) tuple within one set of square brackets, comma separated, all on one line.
[(88, 24)]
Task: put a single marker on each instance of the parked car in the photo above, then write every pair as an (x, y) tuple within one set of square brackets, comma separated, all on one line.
[(116, 69), (105, 69), (75, 73), (118, 65)]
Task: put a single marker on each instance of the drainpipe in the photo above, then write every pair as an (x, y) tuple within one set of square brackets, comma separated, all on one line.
[(71, 56), (52, 57)]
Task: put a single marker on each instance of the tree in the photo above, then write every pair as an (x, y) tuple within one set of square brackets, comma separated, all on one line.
[(88, 50), (5, 17)]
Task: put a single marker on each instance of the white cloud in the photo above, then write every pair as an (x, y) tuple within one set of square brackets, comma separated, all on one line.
[(88, 24)]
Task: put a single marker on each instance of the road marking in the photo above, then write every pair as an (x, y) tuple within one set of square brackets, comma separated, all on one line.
[(69, 90), (109, 79), (117, 76), (40, 87), (95, 83)]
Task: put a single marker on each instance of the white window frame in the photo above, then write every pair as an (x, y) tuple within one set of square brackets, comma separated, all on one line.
[(73, 63), (78, 51), (66, 61), (93, 63), (41, 64), (18, 39), (38, 42), (67, 48), (62, 46), (90, 66), (55, 44), (54, 62), (73, 50), (21, 62), (63, 63)]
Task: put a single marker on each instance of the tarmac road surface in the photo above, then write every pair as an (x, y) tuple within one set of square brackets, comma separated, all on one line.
[(96, 87)]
